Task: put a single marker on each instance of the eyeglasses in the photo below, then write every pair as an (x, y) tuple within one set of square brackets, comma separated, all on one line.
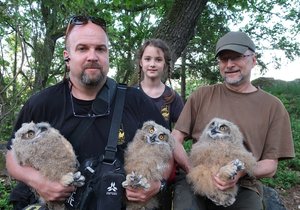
[(236, 59), (99, 108), (82, 20)]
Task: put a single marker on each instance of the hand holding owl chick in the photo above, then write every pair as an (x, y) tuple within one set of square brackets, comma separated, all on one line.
[(219, 151), (42, 147), (146, 159)]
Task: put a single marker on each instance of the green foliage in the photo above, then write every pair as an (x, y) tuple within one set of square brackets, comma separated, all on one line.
[(187, 144), (31, 49), (2, 161), (288, 93), (5, 190), (284, 178), (193, 83)]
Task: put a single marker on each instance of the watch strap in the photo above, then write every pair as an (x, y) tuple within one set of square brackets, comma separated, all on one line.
[(163, 185)]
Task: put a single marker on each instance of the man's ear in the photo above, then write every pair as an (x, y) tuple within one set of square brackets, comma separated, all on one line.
[(66, 56), (254, 60)]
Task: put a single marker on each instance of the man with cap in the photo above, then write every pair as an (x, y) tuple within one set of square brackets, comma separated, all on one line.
[(261, 117)]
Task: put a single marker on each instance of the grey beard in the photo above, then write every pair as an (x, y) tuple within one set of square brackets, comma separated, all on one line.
[(91, 82), (235, 82)]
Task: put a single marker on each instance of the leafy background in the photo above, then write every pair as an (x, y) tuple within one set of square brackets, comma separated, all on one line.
[(31, 46)]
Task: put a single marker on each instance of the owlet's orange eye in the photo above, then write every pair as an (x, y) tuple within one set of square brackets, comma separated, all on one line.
[(30, 134), (161, 137), (151, 129)]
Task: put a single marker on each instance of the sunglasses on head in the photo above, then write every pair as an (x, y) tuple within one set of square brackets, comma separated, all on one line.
[(81, 20)]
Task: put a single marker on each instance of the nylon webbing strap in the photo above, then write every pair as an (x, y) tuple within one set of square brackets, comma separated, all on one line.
[(85, 123), (111, 147)]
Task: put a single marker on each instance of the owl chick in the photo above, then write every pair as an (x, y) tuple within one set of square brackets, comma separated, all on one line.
[(45, 149), (146, 158), (220, 150)]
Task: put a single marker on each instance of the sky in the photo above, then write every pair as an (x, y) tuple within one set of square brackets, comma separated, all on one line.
[(288, 72)]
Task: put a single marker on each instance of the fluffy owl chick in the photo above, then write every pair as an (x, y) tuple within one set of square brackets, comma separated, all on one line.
[(146, 158), (42, 147), (220, 150)]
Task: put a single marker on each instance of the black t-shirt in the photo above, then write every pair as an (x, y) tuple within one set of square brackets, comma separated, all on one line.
[(53, 105), (170, 111)]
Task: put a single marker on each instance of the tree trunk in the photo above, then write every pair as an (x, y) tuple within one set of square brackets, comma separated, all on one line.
[(178, 27), (44, 56), (44, 49), (183, 77)]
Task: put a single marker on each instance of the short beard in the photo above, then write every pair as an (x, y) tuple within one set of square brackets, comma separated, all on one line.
[(234, 82), (87, 81), (92, 82)]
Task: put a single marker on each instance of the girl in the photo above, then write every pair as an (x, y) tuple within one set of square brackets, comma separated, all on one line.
[(154, 68)]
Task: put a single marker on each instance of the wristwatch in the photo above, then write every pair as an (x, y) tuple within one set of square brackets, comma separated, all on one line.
[(163, 185)]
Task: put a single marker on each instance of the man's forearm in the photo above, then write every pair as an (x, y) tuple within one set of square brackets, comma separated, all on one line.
[(265, 168), (181, 157), (179, 153)]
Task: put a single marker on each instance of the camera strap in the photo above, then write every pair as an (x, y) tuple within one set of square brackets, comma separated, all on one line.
[(85, 123), (104, 175), (111, 147)]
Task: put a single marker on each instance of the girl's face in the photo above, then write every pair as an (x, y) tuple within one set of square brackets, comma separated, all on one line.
[(153, 62)]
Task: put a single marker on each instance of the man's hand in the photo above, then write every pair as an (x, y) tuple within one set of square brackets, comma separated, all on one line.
[(143, 195), (51, 191), (224, 185)]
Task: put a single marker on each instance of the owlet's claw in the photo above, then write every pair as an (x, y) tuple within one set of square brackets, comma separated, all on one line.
[(230, 170), (238, 164), (136, 181), (79, 179)]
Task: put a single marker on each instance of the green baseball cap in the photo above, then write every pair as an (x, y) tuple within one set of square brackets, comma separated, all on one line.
[(235, 41)]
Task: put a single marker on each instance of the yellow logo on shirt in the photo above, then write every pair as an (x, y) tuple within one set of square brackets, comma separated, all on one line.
[(165, 112)]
